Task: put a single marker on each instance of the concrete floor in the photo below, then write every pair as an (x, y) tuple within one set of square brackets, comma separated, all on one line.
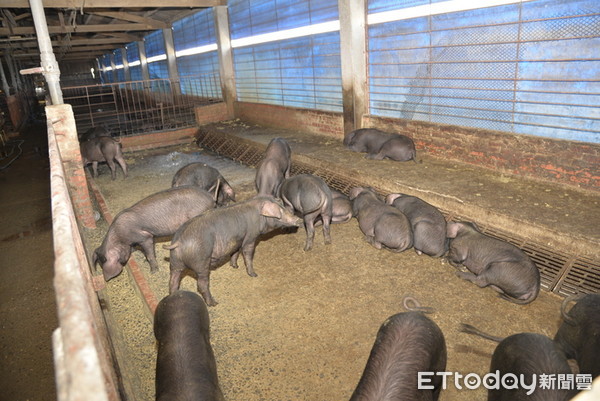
[(27, 305)]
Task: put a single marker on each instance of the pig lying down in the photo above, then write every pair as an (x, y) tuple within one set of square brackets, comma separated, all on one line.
[(380, 145), (383, 225), (493, 262), (207, 241), (185, 363), (158, 215)]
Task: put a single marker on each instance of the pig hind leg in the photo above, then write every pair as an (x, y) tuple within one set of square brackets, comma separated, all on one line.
[(309, 226), (119, 158)]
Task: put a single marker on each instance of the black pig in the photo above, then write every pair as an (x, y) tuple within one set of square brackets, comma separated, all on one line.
[(274, 168), (406, 344), (383, 225), (428, 224), (157, 215), (493, 262), (526, 355), (207, 241), (579, 334), (185, 363), (205, 177), (103, 149), (311, 197)]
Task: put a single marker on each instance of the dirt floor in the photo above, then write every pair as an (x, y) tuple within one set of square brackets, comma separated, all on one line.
[(303, 329), (27, 305)]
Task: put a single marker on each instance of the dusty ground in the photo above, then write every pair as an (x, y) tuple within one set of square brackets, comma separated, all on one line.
[(304, 328), (27, 306)]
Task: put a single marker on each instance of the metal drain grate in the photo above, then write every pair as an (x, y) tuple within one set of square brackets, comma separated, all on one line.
[(561, 273)]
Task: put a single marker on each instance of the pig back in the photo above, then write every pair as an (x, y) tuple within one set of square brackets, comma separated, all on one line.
[(164, 212)]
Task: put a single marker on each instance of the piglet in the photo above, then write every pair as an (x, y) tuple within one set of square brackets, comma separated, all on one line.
[(493, 262), (526, 355), (428, 224), (311, 197), (207, 241), (383, 225), (274, 168), (185, 363), (103, 149), (406, 344), (158, 215), (205, 177), (579, 334)]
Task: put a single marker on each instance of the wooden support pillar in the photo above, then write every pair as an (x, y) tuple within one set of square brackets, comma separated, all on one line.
[(353, 36), (63, 122), (226, 69)]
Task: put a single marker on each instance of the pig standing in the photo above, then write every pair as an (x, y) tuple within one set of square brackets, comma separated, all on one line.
[(207, 241), (157, 215), (428, 224), (406, 344), (579, 334), (311, 197), (274, 168), (94, 132), (102, 149), (529, 355), (493, 262), (185, 363), (383, 225), (205, 177)]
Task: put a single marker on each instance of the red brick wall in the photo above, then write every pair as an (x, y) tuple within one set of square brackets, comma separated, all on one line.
[(158, 139), (567, 162), (312, 121), (211, 113)]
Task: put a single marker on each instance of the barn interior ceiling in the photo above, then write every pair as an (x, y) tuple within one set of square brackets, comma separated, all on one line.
[(81, 30)]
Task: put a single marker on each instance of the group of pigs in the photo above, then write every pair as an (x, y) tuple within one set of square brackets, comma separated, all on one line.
[(208, 228)]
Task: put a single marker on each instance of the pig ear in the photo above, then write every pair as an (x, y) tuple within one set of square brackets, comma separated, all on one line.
[(271, 209), (452, 229), (391, 198)]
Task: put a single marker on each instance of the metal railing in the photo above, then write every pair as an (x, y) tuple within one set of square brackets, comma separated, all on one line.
[(139, 107)]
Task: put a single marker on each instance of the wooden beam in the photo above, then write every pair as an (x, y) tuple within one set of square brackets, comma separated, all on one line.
[(78, 4), (131, 18), (30, 30)]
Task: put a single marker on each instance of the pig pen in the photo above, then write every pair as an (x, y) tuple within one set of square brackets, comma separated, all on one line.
[(302, 329)]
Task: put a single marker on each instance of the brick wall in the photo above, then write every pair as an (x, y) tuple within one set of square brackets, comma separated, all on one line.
[(158, 139), (211, 113), (312, 121), (566, 162)]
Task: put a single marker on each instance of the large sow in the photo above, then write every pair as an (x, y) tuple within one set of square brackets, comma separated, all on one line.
[(158, 215), (207, 241), (186, 369)]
